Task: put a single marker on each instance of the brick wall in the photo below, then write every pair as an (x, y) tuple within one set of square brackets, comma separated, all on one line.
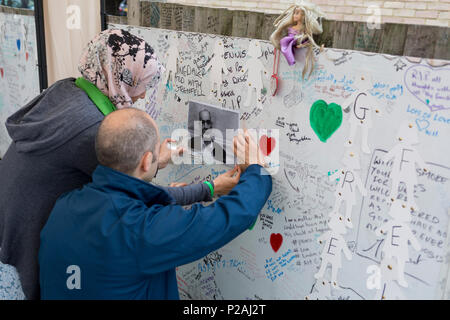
[(422, 12)]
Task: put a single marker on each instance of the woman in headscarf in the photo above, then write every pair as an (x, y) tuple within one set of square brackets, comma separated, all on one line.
[(53, 148)]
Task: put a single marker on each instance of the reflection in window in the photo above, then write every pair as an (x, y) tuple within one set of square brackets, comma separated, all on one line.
[(116, 7), (25, 4)]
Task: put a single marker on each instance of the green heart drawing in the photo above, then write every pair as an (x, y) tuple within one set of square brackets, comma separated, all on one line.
[(325, 119)]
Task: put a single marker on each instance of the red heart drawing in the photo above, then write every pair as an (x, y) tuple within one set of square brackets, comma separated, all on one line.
[(267, 145), (27, 55), (276, 240), (1, 71)]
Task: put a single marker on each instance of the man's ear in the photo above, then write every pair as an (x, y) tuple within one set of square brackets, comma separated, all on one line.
[(146, 161)]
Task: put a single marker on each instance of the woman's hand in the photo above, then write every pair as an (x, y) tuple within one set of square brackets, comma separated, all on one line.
[(166, 154), (224, 183)]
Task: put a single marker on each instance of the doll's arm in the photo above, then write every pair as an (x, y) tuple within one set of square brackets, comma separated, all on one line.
[(311, 38)]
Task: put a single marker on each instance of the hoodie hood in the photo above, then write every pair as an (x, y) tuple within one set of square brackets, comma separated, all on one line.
[(53, 118)]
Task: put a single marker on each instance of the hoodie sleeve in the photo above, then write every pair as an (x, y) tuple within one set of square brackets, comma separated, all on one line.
[(174, 236), (190, 194), (81, 153)]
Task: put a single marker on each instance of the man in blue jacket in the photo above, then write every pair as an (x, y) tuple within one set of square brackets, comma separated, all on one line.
[(121, 237)]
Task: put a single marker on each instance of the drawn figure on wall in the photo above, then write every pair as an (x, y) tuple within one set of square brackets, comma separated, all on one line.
[(384, 279), (217, 66), (321, 291), (398, 234), (361, 105), (349, 181), (173, 56), (405, 157), (334, 244), (255, 68), (295, 29)]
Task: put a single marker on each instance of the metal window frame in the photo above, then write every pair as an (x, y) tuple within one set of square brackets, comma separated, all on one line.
[(40, 42), (103, 14)]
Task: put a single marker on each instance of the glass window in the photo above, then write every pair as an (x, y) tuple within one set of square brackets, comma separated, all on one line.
[(25, 4), (116, 7)]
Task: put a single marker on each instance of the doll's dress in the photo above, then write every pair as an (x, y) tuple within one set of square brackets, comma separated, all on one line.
[(289, 43)]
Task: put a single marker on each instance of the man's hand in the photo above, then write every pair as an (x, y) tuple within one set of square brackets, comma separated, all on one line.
[(247, 151), (224, 183), (166, 154)]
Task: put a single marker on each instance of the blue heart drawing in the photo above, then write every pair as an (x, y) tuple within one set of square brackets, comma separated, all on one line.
[(18, 44), (422, 124)]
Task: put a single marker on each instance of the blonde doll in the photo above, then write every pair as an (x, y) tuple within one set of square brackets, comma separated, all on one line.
[(295, 29)]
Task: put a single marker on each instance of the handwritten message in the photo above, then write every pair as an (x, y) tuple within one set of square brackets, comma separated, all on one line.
[(430, 86)]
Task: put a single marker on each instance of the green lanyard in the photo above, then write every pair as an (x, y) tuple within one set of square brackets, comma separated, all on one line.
[(101, 101)]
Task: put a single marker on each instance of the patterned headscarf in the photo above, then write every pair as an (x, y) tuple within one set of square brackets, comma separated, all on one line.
[(120, 65)]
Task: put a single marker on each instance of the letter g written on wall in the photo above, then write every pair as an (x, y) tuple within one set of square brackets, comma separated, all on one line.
[(73, 21), (74, 280)]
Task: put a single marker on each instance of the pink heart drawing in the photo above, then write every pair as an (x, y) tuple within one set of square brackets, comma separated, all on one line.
[(429, 85)]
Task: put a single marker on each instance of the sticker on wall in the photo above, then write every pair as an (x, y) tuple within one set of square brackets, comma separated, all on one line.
[(1, 72), (276, 240), (349, 182), (361, 105), (255, 69), (383, 279), (405, 158), (398, 235), (218, 67), (325, 119), (333, 245)]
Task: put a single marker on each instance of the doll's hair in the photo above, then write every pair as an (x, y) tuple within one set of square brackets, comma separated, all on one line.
[(311, 16)]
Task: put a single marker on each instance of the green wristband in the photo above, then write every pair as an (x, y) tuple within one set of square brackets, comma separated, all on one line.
[(210, 188)]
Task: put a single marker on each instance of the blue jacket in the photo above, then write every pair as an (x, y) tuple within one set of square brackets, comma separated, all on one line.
[(127, 236)]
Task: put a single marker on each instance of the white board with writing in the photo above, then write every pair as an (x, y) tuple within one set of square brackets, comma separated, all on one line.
[(19, 73), (280, 256)]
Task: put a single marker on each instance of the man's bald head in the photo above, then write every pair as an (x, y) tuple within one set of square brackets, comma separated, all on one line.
[(124, 137)]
